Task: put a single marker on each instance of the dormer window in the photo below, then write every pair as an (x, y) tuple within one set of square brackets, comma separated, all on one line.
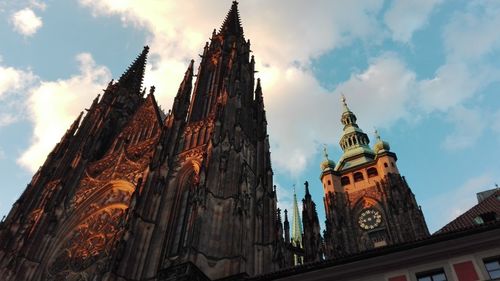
[(485, 218)]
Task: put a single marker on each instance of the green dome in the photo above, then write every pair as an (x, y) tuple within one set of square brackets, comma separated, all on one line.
[(381, 145), (327, 163)]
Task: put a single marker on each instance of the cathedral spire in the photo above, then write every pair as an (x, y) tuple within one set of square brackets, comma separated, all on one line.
[(297, 225), (232, 22), (132, 78)]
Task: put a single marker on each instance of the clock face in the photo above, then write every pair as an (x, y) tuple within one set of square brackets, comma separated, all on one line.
[(369, 219)]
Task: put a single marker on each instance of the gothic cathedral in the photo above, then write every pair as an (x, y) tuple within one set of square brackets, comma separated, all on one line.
[(133, 193)]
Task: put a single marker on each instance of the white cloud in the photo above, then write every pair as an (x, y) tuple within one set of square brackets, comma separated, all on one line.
[(405, 17), (7, 119), (13, 79), (468, 126), (382, 94), (38, 5), (13, 86), (26, 22), (53, 106), (473, 33), (452, 85), (285, 200), (463, 198)]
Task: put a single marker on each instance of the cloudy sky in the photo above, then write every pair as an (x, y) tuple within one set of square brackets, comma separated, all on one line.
[(425, 73)]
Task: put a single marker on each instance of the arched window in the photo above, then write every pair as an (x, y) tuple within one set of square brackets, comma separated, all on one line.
[(182, 212), (385, 165), (358, 176), (372, 172), (345, 180)]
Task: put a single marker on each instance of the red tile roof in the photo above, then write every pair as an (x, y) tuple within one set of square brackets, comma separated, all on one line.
[(489, 205)]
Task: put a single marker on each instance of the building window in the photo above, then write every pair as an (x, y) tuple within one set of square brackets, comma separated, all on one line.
[(329, 182), (345, 181), (487, 217), (493, 267), (385, 165), (433, 275), (372, 172), (358, 176)]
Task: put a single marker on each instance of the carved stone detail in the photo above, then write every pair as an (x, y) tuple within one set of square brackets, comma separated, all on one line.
[(90, 242)]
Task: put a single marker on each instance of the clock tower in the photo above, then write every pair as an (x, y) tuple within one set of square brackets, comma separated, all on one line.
[(368, 203)]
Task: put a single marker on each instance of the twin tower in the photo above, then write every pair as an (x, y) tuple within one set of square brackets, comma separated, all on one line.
[(132, 193)]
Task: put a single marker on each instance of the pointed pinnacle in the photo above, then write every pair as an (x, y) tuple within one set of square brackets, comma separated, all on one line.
[(306, 184), (188, 76), (132, 78), (232, 22), (76, 124)]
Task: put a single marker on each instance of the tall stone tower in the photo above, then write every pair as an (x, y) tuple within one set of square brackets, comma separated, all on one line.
[(368, 203), (131, 193)]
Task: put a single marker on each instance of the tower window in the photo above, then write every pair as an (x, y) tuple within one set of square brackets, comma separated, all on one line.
[(385, 165), (329, 182), (345, 180), (358, 176), (372, 172)]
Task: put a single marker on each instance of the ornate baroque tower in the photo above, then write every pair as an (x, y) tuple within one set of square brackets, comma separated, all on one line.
[(131, 193), (368, 203)]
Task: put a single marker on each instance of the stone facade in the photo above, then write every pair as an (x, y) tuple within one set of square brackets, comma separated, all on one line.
[(130, 191)]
